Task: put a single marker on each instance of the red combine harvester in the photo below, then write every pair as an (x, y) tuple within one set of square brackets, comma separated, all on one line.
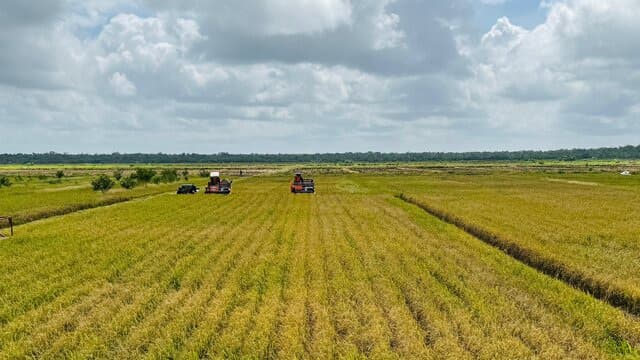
[(300, 185), (217, 185)]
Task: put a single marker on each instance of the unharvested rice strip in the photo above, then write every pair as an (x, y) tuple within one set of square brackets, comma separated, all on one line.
[(258, 337), (533, 299), (67, 291), (259, 281), (219, 299), (173, 324), (353, 233), (103, 297), (319, 337), (430, 319), (444, 267), (361, 327), (142, 301), (343, 314), (327, 236), (288, 337), (406, 337), (219, 308), (400, 242)]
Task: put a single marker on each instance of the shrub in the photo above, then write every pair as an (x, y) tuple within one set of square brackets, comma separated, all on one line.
[(128, 182), (203, 173), (185, 174), (117, 174), (144, 175), (102, 183), (4, 181), (169, 175), (59, 174)]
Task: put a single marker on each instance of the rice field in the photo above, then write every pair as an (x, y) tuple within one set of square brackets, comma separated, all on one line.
[(34, 197), (350, 272), (585, 226)]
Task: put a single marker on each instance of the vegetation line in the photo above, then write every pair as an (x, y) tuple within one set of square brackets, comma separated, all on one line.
[(594, 287), (72, 208)]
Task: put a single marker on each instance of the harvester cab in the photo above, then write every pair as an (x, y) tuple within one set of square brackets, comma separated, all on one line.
[(300, 185), (217, 185)]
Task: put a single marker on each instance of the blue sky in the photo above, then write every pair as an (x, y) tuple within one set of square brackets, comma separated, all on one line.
[(526, 13), (317, 75)]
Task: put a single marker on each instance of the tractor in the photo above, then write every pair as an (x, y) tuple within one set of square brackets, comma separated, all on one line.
[(217, 185), (300, 185)]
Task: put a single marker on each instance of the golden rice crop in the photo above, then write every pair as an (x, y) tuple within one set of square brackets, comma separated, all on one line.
[(584, 227), (350, 272)]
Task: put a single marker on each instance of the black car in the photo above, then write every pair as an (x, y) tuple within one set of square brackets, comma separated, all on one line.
[(187, 189)]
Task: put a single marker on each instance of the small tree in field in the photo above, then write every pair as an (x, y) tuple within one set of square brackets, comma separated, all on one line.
[(128, 182), (4, 181), (169, 175), (102, 183), (117, 175), (59, 174), (185, 174), (144, 175), (203, 173)]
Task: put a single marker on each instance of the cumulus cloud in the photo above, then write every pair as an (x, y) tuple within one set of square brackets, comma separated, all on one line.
[(314, 75), (580, 69)]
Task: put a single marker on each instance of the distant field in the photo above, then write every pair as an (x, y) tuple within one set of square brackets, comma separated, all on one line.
[(351, 271), (31, 198)]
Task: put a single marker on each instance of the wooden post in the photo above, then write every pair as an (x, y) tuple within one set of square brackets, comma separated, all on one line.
[(11, 225)]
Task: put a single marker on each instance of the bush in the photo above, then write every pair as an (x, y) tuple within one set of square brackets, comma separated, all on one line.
[(156, 179), (169, 175), (59, 174), (185, 174), (128, 182), (203, 173), (144, 175), (117, 174), (102, 183), (4, 181)]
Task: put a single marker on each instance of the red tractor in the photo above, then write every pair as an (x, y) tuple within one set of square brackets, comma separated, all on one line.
[(300, 185), (217, 185)]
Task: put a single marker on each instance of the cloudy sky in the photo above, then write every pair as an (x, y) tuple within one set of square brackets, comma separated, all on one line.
[(318, 75)]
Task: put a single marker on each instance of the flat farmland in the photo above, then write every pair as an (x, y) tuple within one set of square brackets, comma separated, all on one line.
[(350, 272), (585, 227), (30, 197)]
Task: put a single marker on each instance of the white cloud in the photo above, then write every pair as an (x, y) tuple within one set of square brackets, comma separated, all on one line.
[(577, 73), (121, 85), (338, 75)]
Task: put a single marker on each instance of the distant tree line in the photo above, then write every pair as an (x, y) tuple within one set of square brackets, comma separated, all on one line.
[(624, 152)]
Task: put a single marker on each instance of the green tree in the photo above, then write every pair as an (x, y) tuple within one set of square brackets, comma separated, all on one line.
[(128, 182), (102, 183), (59, 174), (185, 174), (169, 175), (117, 174), (4, 181), (145, 175)]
